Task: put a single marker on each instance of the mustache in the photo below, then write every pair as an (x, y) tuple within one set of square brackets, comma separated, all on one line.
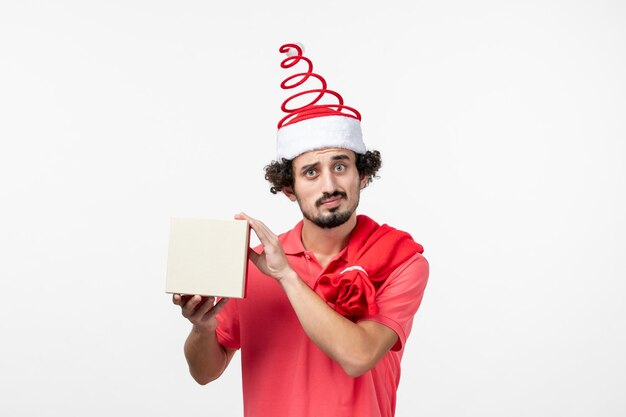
[(328, 196)]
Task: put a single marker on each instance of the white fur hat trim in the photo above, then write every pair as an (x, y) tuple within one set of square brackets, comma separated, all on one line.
[(319, 133)]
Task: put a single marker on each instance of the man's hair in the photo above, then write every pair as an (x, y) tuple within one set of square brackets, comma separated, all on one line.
[(280, 174)]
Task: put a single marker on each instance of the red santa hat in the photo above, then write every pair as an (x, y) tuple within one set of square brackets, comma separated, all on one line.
[(315, 124)]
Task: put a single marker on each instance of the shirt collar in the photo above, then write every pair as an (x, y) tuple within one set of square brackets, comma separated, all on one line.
[(292, 242)]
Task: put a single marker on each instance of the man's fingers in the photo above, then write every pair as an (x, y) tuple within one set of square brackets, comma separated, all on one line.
[(221, 303), (262, 227), (181, 299), (206, 305), (253, 256), (255, 225), (191, 305), (258, 231), (216, 308), (265, 235)]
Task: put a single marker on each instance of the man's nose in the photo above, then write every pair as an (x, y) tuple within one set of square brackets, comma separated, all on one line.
[(328, 182)]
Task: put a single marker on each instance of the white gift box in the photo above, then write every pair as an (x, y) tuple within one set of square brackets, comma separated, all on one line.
[(207, 257)]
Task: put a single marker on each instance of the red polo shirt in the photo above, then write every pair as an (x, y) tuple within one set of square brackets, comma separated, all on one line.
[(284, 374)]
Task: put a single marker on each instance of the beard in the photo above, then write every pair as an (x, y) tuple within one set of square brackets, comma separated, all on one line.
[(335, 217), (328, 221)]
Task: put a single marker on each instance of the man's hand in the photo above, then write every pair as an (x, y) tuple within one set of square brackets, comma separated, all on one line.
[(199, 310), (206, 358), (272, 261)]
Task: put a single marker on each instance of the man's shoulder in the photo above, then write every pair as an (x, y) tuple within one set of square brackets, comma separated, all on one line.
[(417, 261), (388, 233)]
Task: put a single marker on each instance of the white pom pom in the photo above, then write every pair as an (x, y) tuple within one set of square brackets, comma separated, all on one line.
[(292, 51)]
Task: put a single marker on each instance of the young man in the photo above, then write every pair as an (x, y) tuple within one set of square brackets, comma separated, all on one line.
[(331, 302)]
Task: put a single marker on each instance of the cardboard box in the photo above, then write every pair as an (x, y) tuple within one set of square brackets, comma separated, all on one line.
[(208, 257)]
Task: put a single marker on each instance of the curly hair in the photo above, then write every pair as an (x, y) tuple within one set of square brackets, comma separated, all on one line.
[(280, 174)]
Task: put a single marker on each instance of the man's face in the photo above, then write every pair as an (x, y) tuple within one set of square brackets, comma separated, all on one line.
[(327, 186)]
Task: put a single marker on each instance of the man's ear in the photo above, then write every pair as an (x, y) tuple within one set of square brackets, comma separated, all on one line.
[(364, 181), (288, 191)]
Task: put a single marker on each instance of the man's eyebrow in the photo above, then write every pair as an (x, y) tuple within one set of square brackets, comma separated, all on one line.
[(340, 157), (309, 166)]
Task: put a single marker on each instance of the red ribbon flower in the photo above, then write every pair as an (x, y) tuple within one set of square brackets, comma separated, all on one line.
[(378, 251), (351, 293)]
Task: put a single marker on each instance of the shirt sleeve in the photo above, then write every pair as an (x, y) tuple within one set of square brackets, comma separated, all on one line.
[(400, 296), (227, 331)]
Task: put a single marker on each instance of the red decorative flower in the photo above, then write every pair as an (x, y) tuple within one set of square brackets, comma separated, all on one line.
[(351, 293), (374, 252)]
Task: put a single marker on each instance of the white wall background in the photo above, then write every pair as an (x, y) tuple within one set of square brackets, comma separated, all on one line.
[(502, 129)]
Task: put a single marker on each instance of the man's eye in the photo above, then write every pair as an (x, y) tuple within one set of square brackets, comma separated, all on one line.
[(310, 173), (340, 167)]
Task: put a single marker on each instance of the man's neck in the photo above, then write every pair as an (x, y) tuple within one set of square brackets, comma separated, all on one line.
[(326, 243)]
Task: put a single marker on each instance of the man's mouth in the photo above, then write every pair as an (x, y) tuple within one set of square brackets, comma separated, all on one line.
[(332, 200)]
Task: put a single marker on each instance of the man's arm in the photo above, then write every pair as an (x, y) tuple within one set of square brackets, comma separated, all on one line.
[(206, 357), (356, 347)]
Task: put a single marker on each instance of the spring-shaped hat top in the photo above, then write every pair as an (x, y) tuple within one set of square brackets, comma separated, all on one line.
[(312, 108)]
